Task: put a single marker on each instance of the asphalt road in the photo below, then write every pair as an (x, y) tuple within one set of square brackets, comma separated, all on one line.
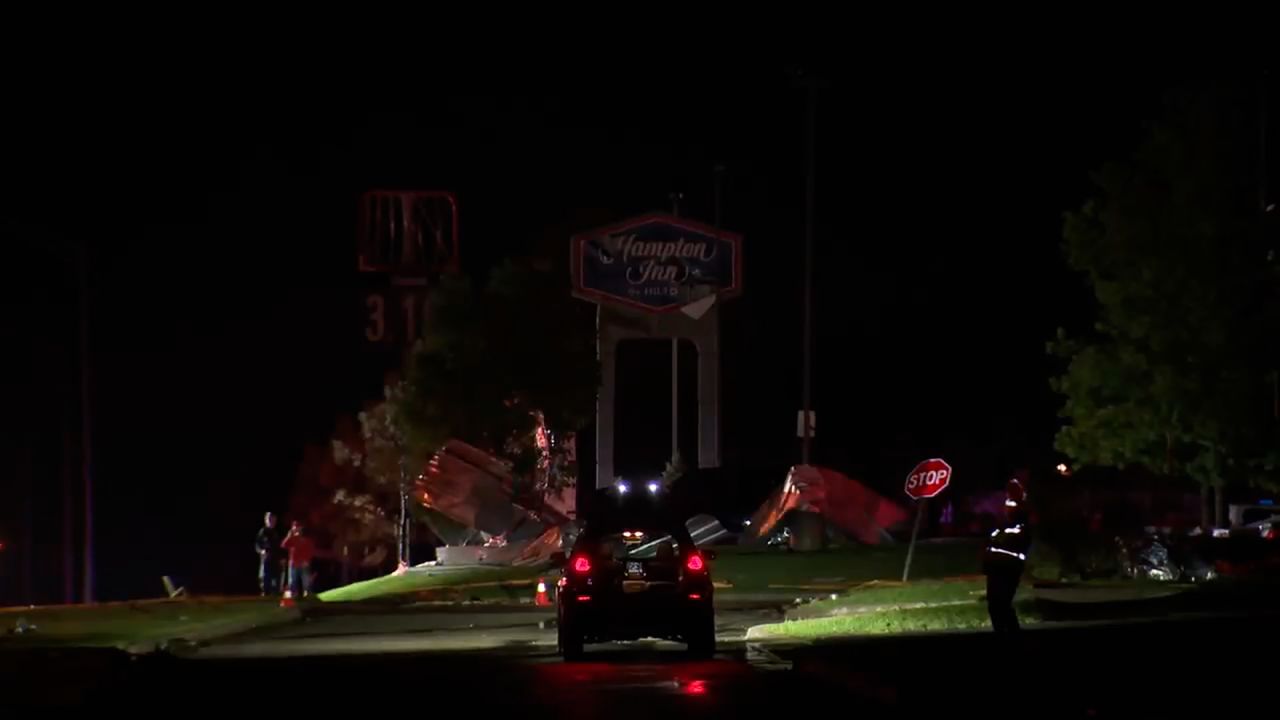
[(526, 630), (493, 662)]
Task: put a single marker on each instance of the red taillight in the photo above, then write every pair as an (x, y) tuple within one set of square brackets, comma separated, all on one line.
[(695, 596), (694, 562), (581, 564), (584, 598)]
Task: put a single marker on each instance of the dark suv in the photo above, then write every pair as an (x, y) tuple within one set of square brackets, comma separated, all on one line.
[(627, 580)]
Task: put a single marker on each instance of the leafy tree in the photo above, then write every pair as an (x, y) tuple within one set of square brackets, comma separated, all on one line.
[(386, 460), (346, 510), (508, 366), (1174, 377)]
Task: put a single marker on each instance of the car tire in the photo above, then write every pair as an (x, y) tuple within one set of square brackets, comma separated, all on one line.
[(569, 641), (702, 640)]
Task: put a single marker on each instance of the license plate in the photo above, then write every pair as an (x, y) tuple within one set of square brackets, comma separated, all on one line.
[(635, 568), (634, 586)]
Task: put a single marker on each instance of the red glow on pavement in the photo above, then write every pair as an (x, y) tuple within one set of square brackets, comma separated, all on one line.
[(696, 687)]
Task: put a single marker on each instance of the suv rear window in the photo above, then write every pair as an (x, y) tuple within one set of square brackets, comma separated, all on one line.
[(633, 543), (639, 541)]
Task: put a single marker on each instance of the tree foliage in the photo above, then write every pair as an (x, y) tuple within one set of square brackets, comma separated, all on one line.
[(500, 360), (384, 454), (337, 500), (1175, 376)]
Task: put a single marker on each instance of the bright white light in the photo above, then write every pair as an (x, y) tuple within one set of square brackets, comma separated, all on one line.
[(1011, 503), (834, 596), (1063, 469), (653, 487), (623, 487), (1002, 551), (747, 523)]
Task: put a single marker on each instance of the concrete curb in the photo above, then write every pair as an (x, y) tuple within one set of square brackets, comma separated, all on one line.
[(847, 610), (213, 631), (757, 633)]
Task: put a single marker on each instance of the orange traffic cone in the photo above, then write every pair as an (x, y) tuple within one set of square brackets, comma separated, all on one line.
[(286, 600), (540, 598)]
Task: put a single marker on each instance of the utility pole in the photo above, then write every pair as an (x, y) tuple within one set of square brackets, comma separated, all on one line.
[(26, 471), (86, 424), (811, 111), (68, 472), (809, 532), (1265, 208)]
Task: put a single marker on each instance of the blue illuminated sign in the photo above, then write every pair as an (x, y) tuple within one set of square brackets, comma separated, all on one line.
[(657, 262)]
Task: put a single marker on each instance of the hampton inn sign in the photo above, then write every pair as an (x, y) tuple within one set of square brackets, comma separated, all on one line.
[(656, 263)]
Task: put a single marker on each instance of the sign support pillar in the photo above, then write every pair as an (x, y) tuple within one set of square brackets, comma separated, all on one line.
[(927, 479), (615, 324), (915, 530)]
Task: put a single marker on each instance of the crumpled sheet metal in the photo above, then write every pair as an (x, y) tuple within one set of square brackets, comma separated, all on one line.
[(844, 502)]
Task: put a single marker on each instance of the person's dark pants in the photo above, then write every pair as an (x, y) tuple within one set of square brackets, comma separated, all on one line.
[(300, 580), (269, 577), (1002, 584)]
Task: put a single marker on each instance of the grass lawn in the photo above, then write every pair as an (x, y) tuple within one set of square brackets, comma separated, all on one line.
[(970, 616), (756, 569), (137, 623), (875, 596), (486, 583), (746, 569), (894, 607)]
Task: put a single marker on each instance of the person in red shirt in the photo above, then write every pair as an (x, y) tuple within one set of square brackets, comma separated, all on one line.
[(301, 550)]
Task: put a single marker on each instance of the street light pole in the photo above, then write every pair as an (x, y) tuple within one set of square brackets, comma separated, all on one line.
[(675, 368), (1264, 208)]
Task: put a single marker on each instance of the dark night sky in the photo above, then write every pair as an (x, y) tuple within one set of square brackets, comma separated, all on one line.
[(226, 322)]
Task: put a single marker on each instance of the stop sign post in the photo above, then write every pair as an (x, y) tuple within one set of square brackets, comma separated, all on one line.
[(926, 480)]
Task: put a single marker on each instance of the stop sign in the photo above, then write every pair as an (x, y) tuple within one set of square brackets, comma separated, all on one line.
[(928, 479)]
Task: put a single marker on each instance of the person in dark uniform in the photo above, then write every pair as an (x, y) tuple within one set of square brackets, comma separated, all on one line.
[(1005, 558), (269, 556)]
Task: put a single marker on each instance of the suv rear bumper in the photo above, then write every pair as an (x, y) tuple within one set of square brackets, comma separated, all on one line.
[(605, 617)]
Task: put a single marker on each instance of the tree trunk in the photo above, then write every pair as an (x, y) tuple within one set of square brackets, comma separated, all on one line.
[(1218, 509), (1205, 520), (346, 564)]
